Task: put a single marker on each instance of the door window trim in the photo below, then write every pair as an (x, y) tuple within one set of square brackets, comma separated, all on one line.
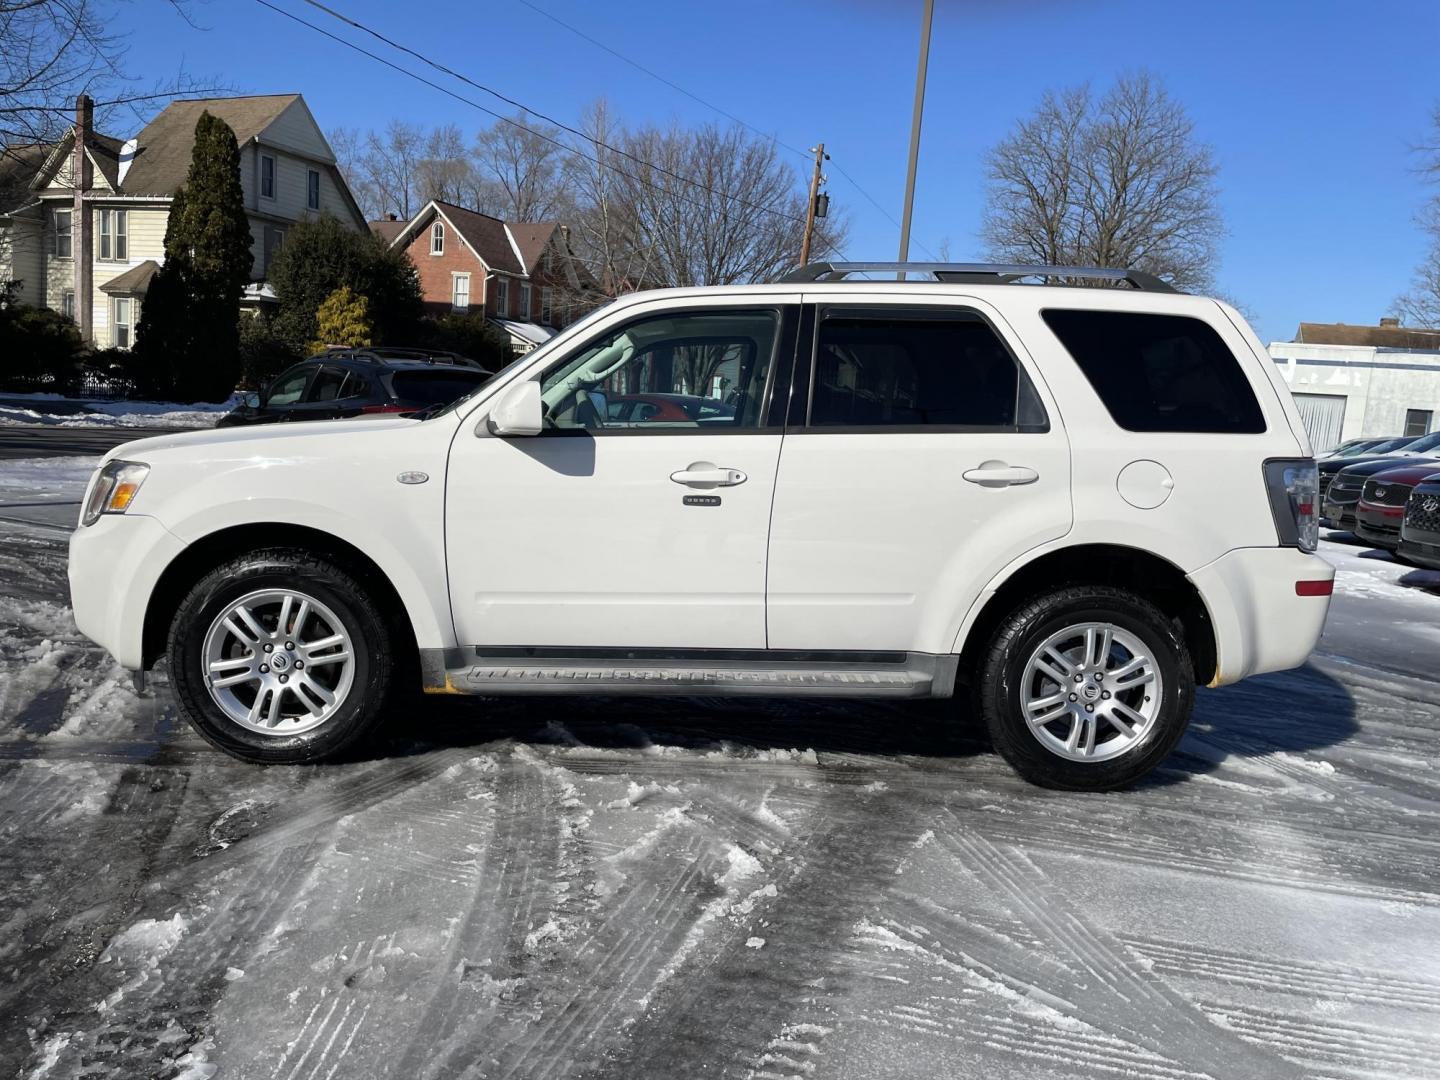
[(786, 318), (803, 402)]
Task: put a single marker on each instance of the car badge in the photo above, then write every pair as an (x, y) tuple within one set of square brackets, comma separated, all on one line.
[(1431, 505), (1380, 493)]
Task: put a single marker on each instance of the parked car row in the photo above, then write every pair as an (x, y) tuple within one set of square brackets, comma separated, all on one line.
[(343, 383), (1388, 493)]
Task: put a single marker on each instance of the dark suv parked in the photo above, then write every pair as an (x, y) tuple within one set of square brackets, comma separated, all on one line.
[(1420, 531), (353, 382)]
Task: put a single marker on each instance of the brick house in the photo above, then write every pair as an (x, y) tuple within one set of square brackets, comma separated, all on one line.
[(82, 220), (523, 276)]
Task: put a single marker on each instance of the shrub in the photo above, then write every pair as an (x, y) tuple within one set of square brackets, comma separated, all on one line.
[(39, 351), (263, 352), (343, 319), (470, 335)]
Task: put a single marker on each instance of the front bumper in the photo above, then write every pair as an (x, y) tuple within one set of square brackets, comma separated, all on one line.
[(1338, 515), (114, 566), (1379, 525), (1261, 623)]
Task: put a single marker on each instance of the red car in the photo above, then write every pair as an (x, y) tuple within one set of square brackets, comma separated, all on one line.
[(1382, 503)]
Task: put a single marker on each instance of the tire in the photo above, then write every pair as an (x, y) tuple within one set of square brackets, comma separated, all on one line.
[(289, 724), (1007, 681)]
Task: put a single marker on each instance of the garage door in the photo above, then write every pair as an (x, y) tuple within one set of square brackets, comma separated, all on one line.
[(1323, 415)]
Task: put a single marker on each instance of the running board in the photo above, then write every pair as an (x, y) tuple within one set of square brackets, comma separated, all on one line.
[(910, 675)]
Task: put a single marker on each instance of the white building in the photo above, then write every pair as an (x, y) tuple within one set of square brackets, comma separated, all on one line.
[(1353, 381), (82, 220)]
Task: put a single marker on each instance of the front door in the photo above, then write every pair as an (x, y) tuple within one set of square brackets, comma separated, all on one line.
[(927, 457), (638, 518)]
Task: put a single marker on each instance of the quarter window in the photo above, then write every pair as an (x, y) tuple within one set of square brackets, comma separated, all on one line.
[(693, 371), (1160, 372), (267, 176), (902, 369)]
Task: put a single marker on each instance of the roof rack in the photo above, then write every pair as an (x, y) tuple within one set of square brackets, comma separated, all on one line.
[(976, 273)]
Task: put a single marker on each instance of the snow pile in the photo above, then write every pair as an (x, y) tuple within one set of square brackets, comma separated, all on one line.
[(52, 411), (52, 479)]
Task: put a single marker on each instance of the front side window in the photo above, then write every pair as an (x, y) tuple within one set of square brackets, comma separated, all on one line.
[(460, 291), (62, 238), (120, 310), (437, 238), (114, 238), (899, 368), (267, 176), (1155, 373), (690, 371), (312, 189), (502, 297), (288, 388)]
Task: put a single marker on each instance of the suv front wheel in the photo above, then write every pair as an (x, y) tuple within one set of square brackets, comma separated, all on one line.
[(280, 656), (1086, 689)]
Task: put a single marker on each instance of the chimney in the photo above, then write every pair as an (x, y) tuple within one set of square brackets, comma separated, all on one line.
[(392, 216), (81, 236), (1390, 320)]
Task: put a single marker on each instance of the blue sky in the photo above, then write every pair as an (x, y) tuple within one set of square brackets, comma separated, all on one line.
[(1311, 108)]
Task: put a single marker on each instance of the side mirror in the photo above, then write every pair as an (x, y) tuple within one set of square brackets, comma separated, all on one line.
[(518, 412), (251, 401)]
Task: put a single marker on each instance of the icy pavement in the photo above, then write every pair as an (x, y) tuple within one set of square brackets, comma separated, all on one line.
[(619, 888), (52, 409)]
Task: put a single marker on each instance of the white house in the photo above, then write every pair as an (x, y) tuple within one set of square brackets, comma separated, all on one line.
[(1352, 381), (85, 217)]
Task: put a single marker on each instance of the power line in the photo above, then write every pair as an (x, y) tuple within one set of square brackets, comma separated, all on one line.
[(519, 105), (723, 112)]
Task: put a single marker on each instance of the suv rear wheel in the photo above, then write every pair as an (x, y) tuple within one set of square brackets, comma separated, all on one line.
[(280, 656), (1086, 689)]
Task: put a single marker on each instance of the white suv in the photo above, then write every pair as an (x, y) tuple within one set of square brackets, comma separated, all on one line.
[(1072, 503)]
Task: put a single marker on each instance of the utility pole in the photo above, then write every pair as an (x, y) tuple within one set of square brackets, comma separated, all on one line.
[(815, 178), (925, 20)]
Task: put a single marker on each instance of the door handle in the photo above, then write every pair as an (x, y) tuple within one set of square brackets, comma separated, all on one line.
[(998, 474), (703, 474)]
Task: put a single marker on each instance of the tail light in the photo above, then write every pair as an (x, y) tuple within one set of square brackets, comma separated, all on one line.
[(388, 408), (1294, 488)]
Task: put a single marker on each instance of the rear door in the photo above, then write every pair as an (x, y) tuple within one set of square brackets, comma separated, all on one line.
[(924, 455)]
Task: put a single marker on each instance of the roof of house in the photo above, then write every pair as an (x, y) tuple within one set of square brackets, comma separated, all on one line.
[(133, 282), (531, 238), (1383, 337), (484, 235), (105, 152), (18, 165), (387, 228), (162, 154)]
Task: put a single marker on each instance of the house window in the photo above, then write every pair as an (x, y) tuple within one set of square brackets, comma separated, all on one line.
[(120, 322), (1417, 421), (545, 306), (437, 238), (274, 238), (502, 296), (60, 239), (525, 300), (460, 291), (114, 239), (67, 303), (267, 176), (312, 189), (548, 263)]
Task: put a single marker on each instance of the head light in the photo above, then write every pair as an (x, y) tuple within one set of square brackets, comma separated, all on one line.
[(114, 489)]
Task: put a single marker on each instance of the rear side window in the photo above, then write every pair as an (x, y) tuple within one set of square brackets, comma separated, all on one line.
[(1160, 372), (433, 387), (889, 369)]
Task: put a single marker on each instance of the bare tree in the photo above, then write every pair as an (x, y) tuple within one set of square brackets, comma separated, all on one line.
[(447, 171), (1421, 305), (605, 234), (383, 169), (529, 166), (1116, 181)]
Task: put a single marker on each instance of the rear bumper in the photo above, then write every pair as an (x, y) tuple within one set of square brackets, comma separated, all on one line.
[(1261, 624), (114, 566)]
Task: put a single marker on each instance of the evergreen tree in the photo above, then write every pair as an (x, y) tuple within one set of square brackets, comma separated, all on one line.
[(189, 339), (343, 319)]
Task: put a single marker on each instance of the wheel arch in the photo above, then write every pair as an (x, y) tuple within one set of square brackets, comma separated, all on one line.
[(209, 551), (1148, 575)]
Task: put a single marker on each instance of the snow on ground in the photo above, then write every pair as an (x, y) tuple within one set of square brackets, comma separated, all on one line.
[(636, 888), (51, 479), (52, 410)]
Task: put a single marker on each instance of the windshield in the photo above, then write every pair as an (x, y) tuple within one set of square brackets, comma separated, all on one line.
[(1422, 444)]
